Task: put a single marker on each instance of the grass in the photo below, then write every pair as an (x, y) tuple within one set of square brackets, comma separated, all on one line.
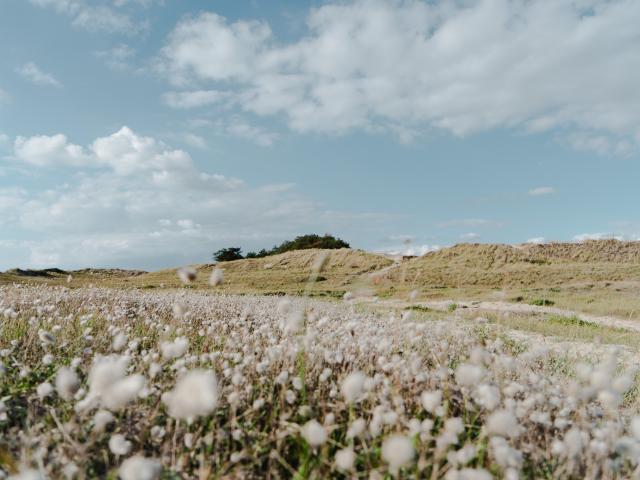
[(569, 328)]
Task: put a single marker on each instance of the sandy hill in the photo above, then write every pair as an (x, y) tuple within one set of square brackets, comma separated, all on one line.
[(284, 273), (497, 265)]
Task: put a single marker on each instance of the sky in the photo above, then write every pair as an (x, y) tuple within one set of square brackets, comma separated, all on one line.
[(150, 133)]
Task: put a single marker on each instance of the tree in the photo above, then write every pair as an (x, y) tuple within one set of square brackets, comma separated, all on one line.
[(228, 254), (303, 242)]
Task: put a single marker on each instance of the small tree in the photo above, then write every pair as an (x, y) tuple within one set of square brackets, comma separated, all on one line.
[(228, 254)]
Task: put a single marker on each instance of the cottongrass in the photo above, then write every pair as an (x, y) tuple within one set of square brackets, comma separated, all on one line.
[(101, 383)]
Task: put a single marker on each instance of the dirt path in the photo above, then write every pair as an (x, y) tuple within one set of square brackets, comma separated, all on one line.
[(486, 306)]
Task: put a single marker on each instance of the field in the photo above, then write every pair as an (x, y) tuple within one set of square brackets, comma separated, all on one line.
[(317, 364)]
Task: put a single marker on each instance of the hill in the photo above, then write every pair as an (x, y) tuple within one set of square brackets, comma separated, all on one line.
[(287, 272), (499, 265)]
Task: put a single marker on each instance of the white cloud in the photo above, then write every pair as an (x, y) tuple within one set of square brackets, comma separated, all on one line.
[(145, 204), (240, 128), (471, 222), (192, 99), (538, 191), (118, 57), (410, 65), (4, 96), (31, 72), (600, 144), (598, 236), (536, 240), (43, 150), (409, 250), (94, 18), (470, 236)]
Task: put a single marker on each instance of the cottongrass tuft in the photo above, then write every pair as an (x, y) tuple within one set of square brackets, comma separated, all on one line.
[(216, 278), (119, 445), (345, 459), (398, 452), (187, 275), (140, 468), (352, 386), (195, 395), (314, 433), (67, 383)]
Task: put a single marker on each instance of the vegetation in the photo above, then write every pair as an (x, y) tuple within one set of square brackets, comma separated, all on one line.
[(302, 242), (228, 254), (148, 385)]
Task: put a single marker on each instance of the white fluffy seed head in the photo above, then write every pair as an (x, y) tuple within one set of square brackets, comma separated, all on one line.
[(175, 349), (187, 274), (67, 383), (431, 400), (352, 386), (469, 375), (216, 278), (314, 433), (345, 459), (119, 342), (44, 390), (101, 419), (119, 445), (195, 395), (397, 451), (503, 423), (140, 468)]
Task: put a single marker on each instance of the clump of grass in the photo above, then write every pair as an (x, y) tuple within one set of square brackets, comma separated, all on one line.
[(542, 302)]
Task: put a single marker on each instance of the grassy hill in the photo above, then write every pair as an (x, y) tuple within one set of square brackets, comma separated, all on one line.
[(601, 277), (284, 273)]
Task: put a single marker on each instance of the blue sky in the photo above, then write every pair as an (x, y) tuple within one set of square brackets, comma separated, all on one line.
[(149, 133)]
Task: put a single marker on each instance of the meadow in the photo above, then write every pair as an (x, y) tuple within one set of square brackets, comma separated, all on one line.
[(194, 379)]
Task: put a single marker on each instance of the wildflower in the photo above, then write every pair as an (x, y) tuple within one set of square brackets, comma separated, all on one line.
[(397, 451), (216, 278), (487, 396), (119, 341), (352, 386), (468, 375), (345, 459), (46, 338), (44, 390), (27, 474), (47, 359), (314, 433), (119, 445), (140, 468), (468, 474), (109, 385), (503, 423), (195, 395), (431, 400), (101, 419), (67, 383), (187, 274), (175, 349)]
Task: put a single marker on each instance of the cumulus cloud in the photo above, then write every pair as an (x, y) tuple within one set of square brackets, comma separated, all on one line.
[(583, 237), (43, 150), (94, 18), (242, 129), (31, 72), (411, 66), (536, 240), (538, 191), (141, 203), (118, 57)]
